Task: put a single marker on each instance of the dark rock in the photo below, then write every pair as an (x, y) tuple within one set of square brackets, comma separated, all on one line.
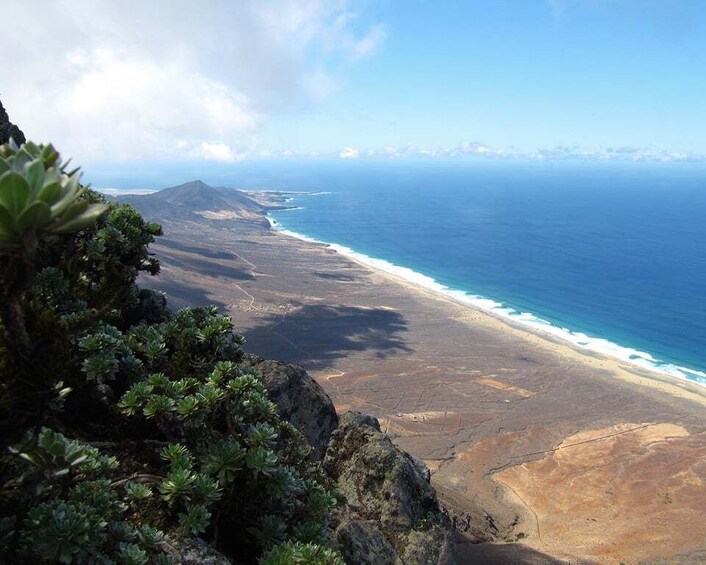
[(421, 467), (194, 551), (364, 544), (153, 306), (387, 490), (150, 306), (9, 130), (300, 400)]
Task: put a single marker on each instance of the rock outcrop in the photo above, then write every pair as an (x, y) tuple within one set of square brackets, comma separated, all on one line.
[(194, 551), (8, 129), (393, 514), (300, 400), (151, 308)]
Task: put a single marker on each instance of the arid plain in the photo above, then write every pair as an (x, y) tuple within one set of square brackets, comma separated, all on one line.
[(542, 452)]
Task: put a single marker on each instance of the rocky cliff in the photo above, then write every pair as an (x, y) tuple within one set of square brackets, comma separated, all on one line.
[(388, 512), (8, 129), (391, 513)]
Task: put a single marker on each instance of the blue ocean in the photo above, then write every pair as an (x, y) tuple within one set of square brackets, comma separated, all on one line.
[(608, 256)]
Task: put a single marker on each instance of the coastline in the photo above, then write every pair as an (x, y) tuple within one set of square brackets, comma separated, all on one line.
[(644, 370), (492, 408)]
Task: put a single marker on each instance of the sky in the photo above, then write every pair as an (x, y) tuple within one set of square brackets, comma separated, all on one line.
[(222, 81)]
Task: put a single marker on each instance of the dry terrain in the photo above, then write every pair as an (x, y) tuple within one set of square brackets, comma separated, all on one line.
[(552, 454)]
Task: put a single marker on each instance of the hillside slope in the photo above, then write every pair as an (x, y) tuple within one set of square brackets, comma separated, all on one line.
[(195, 199)]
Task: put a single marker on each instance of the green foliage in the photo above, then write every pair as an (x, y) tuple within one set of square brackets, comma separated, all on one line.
[(297, 553), (77, 515), (228, 442), (178, 484), (224, 460), (195, 520), (57, 289), (187, 443), (137, 491), (61, 530), (38, 197), (105, 354), (52, 455)]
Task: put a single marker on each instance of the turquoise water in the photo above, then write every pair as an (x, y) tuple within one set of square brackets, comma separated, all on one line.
[(610, 258)]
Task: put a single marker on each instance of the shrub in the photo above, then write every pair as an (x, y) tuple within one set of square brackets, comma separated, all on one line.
[(163, 434), (75, 515), (68, 264), (301, 554)]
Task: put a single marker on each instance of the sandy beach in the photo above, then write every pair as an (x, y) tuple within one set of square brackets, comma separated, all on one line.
[(542, 451)]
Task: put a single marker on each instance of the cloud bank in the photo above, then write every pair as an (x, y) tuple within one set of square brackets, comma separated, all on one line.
[(476, 150), (349, 153), (170, 78)]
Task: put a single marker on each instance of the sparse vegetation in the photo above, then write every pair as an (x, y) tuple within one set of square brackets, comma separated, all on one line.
[(125, 428)]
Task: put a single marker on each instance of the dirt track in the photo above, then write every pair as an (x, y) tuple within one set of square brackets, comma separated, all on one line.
[(530, 442)]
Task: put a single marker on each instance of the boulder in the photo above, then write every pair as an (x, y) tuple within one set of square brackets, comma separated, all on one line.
[(389, 496), (362, 542), (300, 400), (153, 306), (194, 551)]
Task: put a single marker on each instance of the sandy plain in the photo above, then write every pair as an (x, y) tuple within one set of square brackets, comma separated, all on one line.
[(542, 452)]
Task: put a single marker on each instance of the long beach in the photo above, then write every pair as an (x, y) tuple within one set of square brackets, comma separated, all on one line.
[(510, 422)]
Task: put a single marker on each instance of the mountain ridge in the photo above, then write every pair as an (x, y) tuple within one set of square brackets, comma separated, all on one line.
[(194, 200)]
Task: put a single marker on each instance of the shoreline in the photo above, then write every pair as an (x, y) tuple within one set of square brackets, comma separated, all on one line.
[(488, 404), (527, 325)]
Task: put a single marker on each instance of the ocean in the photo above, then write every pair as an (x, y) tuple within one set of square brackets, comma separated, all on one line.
[(608, 256)]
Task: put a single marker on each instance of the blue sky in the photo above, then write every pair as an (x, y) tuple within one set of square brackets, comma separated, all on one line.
[(523, 74), (535, 79)]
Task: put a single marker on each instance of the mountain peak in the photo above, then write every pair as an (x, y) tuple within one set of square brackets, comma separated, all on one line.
[(194, 185), (196, 199)]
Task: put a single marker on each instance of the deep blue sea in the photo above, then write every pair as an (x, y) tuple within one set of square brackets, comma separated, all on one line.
[(611, 257)]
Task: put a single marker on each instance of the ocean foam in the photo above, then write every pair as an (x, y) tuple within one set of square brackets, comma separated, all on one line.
[(581, 340)]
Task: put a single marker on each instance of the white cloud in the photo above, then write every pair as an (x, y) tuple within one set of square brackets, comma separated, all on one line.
[(475, 150), (349, 153), (370, 43), (170, 78), (217, 152)]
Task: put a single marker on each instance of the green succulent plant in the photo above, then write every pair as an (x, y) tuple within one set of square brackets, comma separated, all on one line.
[(38, 197), (195, 520), (76, 335), (297, 553)]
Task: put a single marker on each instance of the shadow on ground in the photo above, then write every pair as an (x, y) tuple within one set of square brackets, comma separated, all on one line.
[(204, 267), (200, 251), (335, 276), (315, 336), (181, 295), (504, 554)]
